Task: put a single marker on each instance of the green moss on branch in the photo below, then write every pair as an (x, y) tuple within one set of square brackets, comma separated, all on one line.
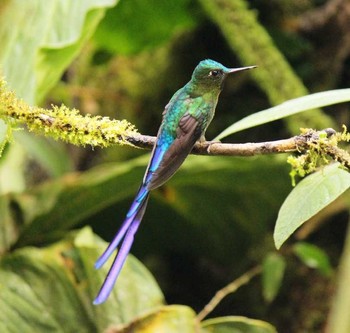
[(320, 149), (62, 123)]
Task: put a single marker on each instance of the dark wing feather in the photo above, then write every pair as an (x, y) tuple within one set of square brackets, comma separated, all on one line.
[(187, 134)]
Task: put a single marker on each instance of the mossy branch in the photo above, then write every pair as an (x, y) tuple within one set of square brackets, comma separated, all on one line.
[(314, 148), (63, 123), (319, 148)]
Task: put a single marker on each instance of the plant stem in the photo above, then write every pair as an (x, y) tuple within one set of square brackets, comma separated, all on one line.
[(229, 289), (339, 317)]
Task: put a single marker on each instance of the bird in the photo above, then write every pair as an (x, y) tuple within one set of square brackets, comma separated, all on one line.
[(184, 122)]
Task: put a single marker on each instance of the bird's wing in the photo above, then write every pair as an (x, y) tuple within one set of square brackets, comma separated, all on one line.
[(169, 160)]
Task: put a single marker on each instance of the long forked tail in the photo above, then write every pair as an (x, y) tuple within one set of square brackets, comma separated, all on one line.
[(126, 235)]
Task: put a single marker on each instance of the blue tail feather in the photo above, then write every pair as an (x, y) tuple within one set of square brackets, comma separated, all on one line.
[(135, 206), (114, 244), (125, 233), (140, 197), (156, 159), (117, 264)]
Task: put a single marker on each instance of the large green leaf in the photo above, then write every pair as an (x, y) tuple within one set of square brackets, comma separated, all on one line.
[(56, 206), (311, 195), (236, 324), (211, 200), (158, 20), (51, 289), (40, 38), (287, 109), (221, 205)]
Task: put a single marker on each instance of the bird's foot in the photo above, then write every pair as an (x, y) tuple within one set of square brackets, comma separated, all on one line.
[(210, 143), (204, 142)]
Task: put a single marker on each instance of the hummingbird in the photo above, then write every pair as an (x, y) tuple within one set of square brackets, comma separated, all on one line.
[(185, 119)]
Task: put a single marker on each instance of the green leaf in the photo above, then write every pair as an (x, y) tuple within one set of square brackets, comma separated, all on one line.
[(40, 38), (313, 257), (311, 195), (8, 227), (52, 289), (272, 275), (236, 324), (12, 169), (169, 319), (211, 193), (54, 207), (287, 109), (158, 20), (51, 155)]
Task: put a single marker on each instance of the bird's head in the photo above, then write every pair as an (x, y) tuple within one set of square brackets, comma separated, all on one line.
[(210, 74)]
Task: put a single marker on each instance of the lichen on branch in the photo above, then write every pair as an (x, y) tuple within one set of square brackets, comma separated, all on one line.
[(62, 123), (320, 149), (313, 148)]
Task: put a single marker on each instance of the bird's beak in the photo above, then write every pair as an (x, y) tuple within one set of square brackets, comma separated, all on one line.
[(234, 70)]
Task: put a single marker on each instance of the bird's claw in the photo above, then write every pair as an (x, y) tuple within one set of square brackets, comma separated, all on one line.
[(210, 143)]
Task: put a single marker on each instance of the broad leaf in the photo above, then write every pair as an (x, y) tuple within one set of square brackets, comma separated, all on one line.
[(236, 324), (120, 31), (311, 195), (52, 289), (40, 39), (54, 207), (209, 201), (167, 319), (287, 109)]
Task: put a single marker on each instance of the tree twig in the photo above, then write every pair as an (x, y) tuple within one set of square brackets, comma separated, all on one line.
[(69, 125), (298, 143), (229, 289)]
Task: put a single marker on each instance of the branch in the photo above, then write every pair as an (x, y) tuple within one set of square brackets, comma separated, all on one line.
[(332, 10), (69, 125), (229, 289), (63, 123), (324, 142)]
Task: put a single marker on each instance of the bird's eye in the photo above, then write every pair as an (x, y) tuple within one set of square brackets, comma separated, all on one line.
[(214, 73)]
